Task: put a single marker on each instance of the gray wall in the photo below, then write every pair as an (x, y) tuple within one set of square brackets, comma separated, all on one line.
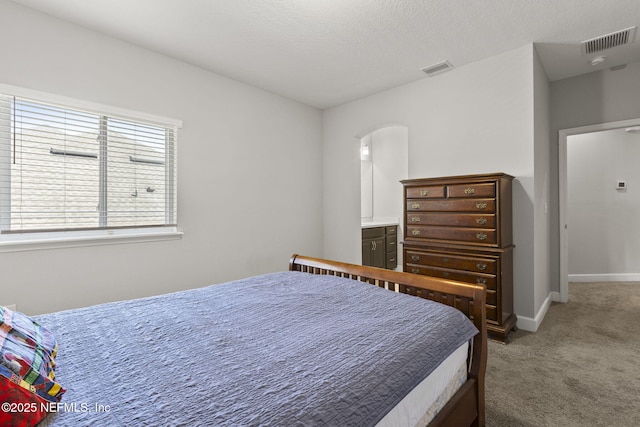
[(599, 97), (475, 119), (542, 194), (249, 169)]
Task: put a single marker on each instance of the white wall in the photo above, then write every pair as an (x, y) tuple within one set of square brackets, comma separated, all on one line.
[(366, 180), (542, 198), (604, 232), (249, 169), (599, 97), (475, 119), (390, 165), (387, 164)]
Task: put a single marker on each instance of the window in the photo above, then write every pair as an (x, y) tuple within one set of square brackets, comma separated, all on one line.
[(68, 169)]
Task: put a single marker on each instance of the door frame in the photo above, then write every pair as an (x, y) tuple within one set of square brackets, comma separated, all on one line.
[(563, 134)]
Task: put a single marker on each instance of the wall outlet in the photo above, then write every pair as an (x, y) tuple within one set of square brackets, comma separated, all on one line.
[(621, 185)]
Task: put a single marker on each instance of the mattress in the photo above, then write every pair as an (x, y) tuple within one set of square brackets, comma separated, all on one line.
[(279, 349), (425, 401)]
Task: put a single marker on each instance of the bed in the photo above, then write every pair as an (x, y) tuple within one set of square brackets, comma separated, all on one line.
[(315, 345), (466, 406)]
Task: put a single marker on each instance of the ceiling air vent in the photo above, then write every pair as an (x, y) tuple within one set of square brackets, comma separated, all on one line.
[(438, 68), (608, 41)]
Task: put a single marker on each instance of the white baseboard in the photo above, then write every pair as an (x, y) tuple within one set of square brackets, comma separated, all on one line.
[(532, 325), (613, 277)]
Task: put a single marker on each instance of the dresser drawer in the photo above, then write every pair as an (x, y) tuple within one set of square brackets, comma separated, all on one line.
[(492, 313), (489, 280), (392, 242), (478, 265), (455, 220), (472, 190), (392, 260), (425, 192), (452, 205), (469, 235), (492, 297)]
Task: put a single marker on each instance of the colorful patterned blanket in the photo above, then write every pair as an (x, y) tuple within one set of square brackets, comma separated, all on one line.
[(27, 378)]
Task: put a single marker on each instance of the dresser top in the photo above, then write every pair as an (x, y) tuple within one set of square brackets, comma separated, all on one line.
[(461, 178)]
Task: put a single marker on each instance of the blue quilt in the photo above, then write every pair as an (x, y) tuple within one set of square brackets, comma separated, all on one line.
[(282, 349)]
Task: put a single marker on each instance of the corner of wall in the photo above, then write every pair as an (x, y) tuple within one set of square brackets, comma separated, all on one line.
[(544, 280), (532, 324)]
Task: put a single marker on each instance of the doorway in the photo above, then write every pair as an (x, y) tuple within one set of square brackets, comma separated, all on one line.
[(582, 135), (384, 162)]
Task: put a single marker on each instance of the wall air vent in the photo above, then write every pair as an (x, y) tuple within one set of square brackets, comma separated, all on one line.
[(438, 68), (608, 41)]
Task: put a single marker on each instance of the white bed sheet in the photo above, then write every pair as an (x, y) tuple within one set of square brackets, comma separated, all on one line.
[(424, 402)]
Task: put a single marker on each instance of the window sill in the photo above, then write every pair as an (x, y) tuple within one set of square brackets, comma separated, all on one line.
[(90, 240)]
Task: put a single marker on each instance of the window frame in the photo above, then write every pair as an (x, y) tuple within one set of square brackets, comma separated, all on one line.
[(36, 240)]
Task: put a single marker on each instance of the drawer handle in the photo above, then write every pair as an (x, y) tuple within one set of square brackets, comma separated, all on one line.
[(469, 191), (445, 274), (481, 221), (481, 281), (392, 260), (481, 266), (415, 219), (445, 259), (415, 206), (415, 232), (481, 236), (445, 204), (415, 258), (415, 270), (481, 205), (424, 192)]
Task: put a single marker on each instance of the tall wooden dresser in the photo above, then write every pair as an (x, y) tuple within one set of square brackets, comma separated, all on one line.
[(460, 228)]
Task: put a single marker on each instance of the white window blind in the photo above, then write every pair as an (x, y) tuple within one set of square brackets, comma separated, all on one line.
[(64, 168)]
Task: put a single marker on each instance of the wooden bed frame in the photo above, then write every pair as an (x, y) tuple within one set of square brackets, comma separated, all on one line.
[(466, 407)]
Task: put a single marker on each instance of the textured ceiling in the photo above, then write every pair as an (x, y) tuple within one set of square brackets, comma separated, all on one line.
[(327, 52)]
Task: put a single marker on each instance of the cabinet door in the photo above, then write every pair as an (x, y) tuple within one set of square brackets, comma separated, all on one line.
[(366, 252), (374, 252), (379, 252)]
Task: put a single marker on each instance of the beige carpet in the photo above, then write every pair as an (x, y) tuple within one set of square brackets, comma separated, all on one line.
[(582, 367)]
